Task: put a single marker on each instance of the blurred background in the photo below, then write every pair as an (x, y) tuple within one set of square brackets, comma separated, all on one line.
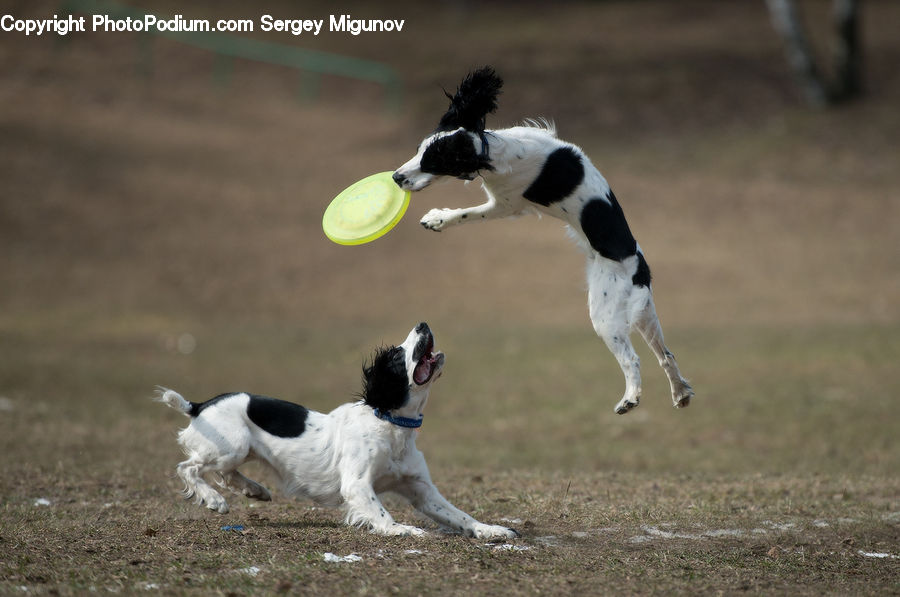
[(160, 223)]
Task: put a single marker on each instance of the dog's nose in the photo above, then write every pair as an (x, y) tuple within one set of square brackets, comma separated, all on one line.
[(399, 179), (421, 328)]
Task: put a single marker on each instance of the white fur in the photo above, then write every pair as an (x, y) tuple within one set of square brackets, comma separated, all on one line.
[(616, 306), (344, 458)]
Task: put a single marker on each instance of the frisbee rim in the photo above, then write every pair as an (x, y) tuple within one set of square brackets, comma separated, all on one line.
[(381, 231)]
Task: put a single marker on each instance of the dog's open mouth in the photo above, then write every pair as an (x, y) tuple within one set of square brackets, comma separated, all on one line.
[(427, 363)]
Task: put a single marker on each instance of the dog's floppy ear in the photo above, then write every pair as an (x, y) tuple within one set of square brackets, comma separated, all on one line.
[(475, 98), (385, 380), (454, 155)]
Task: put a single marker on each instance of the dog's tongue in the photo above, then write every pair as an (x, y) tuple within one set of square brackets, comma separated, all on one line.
[(422, 371)]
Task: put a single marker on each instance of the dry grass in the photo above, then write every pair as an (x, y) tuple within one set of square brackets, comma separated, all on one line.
[(582, 534), (136, 211)]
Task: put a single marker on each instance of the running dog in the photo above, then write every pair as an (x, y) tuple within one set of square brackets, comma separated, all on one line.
[(344, 458)]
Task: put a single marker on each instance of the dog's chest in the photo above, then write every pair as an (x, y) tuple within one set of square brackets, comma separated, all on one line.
[(395, 463)]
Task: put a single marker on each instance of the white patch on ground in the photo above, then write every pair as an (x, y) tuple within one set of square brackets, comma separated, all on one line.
[(660, 531), (252, 570), (594, 532), (42, 502), (654, 532), (414, 552), (779, 526), (511, 520), (330, 557), (876, 554), (724, 533)]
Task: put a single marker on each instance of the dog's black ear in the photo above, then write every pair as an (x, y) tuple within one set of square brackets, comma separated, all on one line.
[(454, 155), (385, 381), (475, 98)]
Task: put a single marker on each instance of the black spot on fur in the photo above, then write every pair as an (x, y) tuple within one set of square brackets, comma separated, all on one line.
[(560, 176), (199, 407), (454, 155), (278, 417), (475, 98), (642, 276), (604, 225), (385, 380), (284, 419)]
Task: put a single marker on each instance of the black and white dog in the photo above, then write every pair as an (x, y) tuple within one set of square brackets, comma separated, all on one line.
[(527, 168), (344, 458)]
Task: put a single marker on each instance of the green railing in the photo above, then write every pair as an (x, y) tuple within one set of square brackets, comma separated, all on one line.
[(311, 63)]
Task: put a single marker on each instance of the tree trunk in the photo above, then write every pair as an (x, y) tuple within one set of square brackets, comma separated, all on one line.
[(813, 84), (847, 53)]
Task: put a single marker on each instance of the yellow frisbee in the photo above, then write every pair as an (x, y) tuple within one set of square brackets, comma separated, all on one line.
[(365, 210)]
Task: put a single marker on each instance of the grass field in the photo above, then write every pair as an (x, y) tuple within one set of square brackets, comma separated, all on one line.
[(159, 229)]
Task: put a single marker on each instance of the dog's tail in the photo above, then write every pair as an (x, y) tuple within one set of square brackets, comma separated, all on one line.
[(174, 400)]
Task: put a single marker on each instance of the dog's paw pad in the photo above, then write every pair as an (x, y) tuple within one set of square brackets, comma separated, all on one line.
[(683, 399), (626, 405)]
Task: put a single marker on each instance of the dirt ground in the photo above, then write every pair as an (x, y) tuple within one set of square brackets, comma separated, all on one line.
[(162, 225)]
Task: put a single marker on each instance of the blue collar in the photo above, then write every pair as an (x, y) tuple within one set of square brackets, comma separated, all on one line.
[(400, 421)]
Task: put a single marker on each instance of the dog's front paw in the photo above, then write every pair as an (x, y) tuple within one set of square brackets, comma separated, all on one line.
[(401, 530), (437, 219), (492, 531)]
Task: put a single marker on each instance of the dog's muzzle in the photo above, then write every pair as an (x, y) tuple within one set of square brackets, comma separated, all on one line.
[(416, 183), (427, 361)]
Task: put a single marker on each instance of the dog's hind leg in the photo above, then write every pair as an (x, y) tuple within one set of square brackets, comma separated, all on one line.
[(619, 344), (210, 451), (608, 298), (191, 472), (238, 483), (648, 325), (608, 317)]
